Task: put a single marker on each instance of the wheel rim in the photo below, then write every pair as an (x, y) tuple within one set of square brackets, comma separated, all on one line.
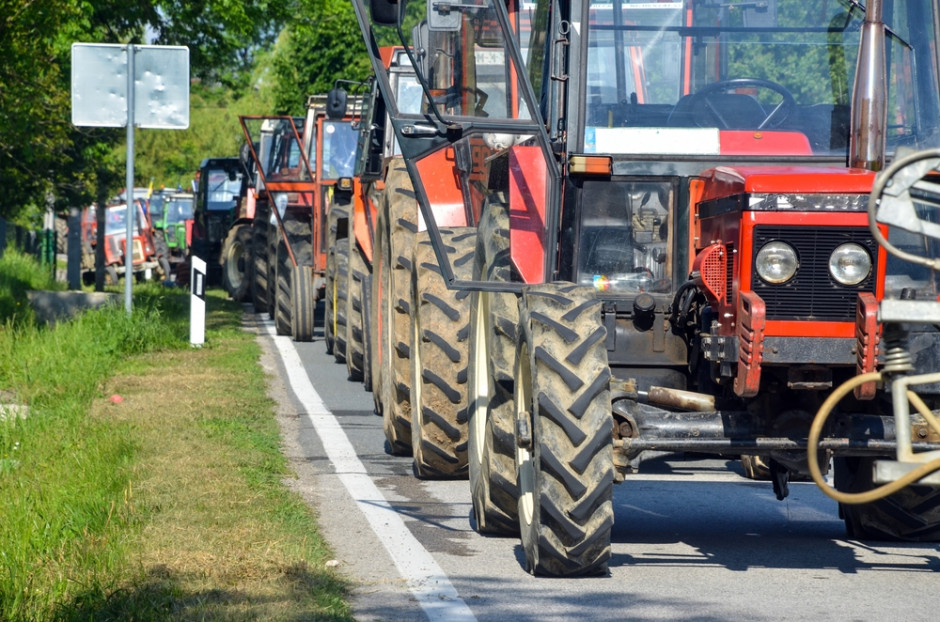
[(480, 387), (333, 298), (234, 263), (525, 459), (416, 419)]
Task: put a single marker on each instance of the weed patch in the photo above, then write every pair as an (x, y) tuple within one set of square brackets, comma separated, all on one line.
[(164, 504)]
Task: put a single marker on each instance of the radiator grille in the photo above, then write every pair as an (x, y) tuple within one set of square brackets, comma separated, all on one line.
[(813, 294), (138, 251)]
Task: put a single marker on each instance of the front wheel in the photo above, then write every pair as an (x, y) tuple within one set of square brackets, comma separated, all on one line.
[(303, 303), (439, 352), (564, 443), (494, 320), (911, 514), (236, 258), (111, 275)]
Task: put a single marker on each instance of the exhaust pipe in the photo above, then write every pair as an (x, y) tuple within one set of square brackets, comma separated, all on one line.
[(870, 94)]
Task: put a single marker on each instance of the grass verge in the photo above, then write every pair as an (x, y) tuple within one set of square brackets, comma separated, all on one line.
[(165, 504)]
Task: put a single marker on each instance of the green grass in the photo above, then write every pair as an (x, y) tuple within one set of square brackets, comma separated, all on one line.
[(19, 273), (167, 505)]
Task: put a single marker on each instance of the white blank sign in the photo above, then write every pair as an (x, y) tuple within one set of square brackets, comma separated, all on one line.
[(161, 86)]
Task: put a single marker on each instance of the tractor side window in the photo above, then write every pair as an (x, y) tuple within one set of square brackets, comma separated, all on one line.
[(339, 149)]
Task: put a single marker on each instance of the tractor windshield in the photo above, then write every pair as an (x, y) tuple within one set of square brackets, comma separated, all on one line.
[(223, 188), (115, 223), (685, 77), (178, 210)]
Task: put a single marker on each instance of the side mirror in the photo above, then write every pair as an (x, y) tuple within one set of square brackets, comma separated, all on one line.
[(442, 17), (384, 12), (420, 36), (336, 104)]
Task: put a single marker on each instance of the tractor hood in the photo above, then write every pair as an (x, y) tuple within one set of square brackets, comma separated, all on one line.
[(724, 181)]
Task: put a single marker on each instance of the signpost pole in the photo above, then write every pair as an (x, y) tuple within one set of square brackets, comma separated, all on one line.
[(103, 73), (129, 184)]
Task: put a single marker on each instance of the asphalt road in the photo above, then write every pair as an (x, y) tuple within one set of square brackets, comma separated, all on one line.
[(693, 539)]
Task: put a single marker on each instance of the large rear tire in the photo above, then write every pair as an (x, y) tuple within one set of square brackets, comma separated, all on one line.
[(336, 227), (564, 446), (340, 294), (439, 352), (378, 331), (397, 226), (258, 270), (355, 345), (366, 332), (273, 242), (236, 259), (910, 515), (494, 319)]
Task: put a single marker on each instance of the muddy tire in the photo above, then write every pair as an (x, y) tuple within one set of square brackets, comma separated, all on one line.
[(355, 345), (439, 352), (366, 332), (910, 515), (272, 244), (494, 319), (282, 301), (258, 269), (564, 448), (392, 261), (336, 226), (755, 467), (340, 296), (379, 284), (300, 233), (236, 259), (303, 303)]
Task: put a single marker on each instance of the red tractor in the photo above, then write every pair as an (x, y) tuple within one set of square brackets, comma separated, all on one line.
[(298, 164), (396, 326), (144, 260), (672, 247)]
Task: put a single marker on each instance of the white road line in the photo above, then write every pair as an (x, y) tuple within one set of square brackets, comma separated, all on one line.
[(425, 579)]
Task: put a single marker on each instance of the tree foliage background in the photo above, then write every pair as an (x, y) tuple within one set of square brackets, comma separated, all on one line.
[(252, 57), (324, 44)]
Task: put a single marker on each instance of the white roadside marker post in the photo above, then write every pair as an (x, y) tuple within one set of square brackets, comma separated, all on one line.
[(197, 305)]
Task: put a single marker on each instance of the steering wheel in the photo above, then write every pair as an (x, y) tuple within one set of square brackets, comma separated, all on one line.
[(704, 101)]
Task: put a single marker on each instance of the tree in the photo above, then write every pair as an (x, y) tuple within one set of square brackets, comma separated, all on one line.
[(224, 37), (43, 157), (322, 45)]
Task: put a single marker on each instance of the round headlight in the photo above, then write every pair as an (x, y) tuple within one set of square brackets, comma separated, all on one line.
[(850, 264), (777, 262)]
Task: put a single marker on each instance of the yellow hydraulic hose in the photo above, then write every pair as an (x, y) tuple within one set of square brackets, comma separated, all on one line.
[(883, 491)]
